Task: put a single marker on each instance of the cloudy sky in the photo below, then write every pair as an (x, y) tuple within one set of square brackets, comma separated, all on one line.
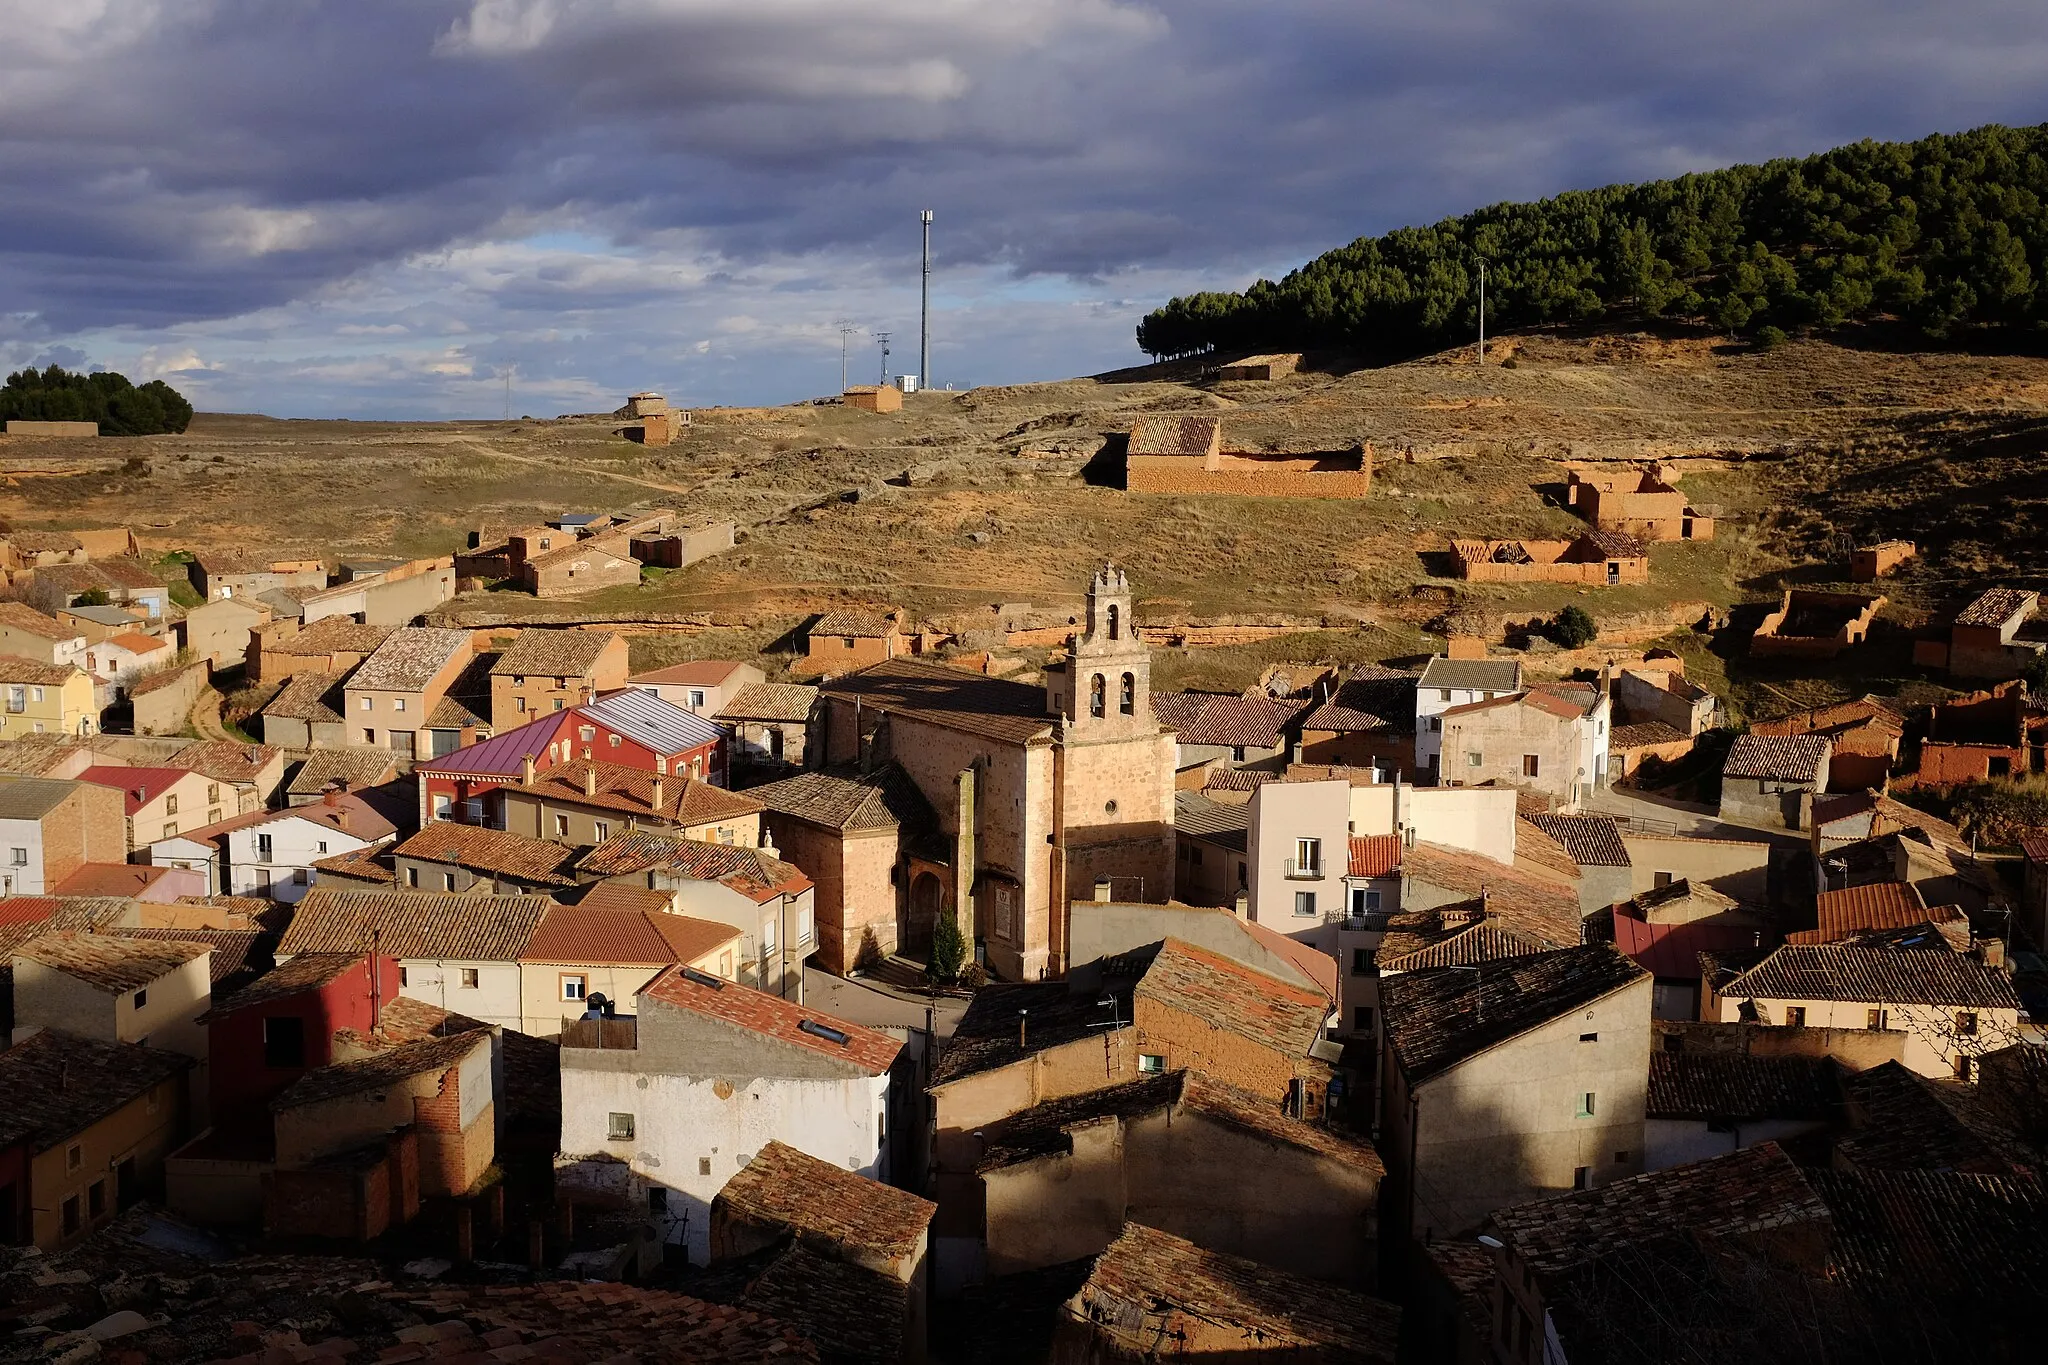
[(383, 208)]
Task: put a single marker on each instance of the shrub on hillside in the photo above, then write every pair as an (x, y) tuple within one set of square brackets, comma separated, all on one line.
[(1574, 628)]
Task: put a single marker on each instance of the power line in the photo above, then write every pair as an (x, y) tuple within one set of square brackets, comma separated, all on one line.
[(846, 329)]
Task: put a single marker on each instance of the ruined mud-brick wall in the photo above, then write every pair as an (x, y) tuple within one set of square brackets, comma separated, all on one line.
[(1293, 478)]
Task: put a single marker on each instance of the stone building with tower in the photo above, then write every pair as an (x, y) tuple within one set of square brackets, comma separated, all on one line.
[(1040, 792)]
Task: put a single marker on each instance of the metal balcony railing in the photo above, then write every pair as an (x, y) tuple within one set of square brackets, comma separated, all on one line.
[(1300, 871)]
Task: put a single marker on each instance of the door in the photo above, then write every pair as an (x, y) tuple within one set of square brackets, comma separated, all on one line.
[(927, 897), (1613, 572), (127, 1187), (402, 743)]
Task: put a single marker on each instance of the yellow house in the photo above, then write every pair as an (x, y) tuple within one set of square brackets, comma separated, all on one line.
[(611, 943), (84, 1132), (44, 699)]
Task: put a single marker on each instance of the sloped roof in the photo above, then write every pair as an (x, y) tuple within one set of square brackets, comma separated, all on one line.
[(59, 1084), (381, 1069), (1877, 976), (138, 786), (1373, 697), (1438, 1018), (1472, 675), (23, 617), (409, 659), (305, 972), (1901, 1121), (591, 932), (358, 766), (1212, 821), (1783, 758), (1176, 434), (111, 879), (31, 798), (1643, 734), (850, 802), (646, 719), (331, 635), (684, 800), (238, 954), (994, 708), (1228, 721), (788, 702), (1228, 995), (771, 1016), (1592, 840), (501, 755), (308, 696), (1374, 855), (552, 653), (1996, 607), (497, 851), (1853, 909), (414, 924), (1741, 1087), (858, 625), (346, 813), (813, 1198), (1520, 900), (749, 871), (111, 963), (15, 669), (1453, 945)]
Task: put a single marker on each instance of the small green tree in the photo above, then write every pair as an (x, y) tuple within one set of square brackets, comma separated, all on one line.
[(92, 597), (2034, 672), (1770, 338), (949, 951), (1574, 628)]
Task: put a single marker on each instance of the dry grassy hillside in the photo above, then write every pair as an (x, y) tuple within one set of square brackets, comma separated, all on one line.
[(981, 496)]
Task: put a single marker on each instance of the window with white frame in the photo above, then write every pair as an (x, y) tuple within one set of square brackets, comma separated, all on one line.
[(1304, 902)]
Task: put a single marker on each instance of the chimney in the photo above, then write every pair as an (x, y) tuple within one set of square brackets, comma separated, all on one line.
[(330, 795), (1243, 908), (1993, 950), (526, 771), (767, 845), (1102, 891), (1023, 1018), (590, 779), (654, 798)]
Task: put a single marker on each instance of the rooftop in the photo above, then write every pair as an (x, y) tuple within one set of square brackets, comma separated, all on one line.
[(1741, 1087), (31, 798), (1472, 675), (305, 972), (309, 696), (1859, 975), (1998, 607), (343, 812), (1901, 1121), (415, 924), (381, 1069), (1212, 821), (849, 801), (358, 766), (788, 702), (499, 852), (331, 635), (1440, 943), (1437, 1018), (594, 932), (1373, 697), (684, 800), (552, 653), (411, 658), (15, 669), (501, 755), (864, 1049), (239, 955), (1521, 900), (646, 719), (138, 786), (111, 963), (1592, 840), (59, 1084), (111, 879), (1878, 905), (987, 1035), (747, 870), (814, 1198), (993, 708), (25, 618), (1228, 995), (1212, 719), (1782, 758)]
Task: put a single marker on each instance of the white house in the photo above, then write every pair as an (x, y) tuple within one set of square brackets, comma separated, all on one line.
[(700, 686), (711, 1072), (272, 852), (1299, 844), (457, 951), (122, 658), (1455, 682)]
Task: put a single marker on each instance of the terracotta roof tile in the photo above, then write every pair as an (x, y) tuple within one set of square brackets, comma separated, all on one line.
[(1855, 974), (346, 813), (1592, 840), (227, 760), (59, 1084), (552, 653), (811, 1198), (885, 798), (331, 635), (1453, 945), (1228, 995), (111, 879), (1177, 434), (1375, 855), (238, 954), (496, 851), (358, 766), (1472, 675), (1996, 607), (1783, 758), (1373, 697), (1521, 900), (864, 1049), (1643, 734), (1902, 1122), (789, 702), (1878, 905), (107, 962), (317, 697), (381, 1069), (414, 924), (1741, 1087), (594, 932), (994, 708), (305, 972), (1215, 822), (858, 625), (691, 673), (1437, 1019), (409, 659), (1215, 719), (370, 863), (23, 617), (986, 1035), (747, 870)]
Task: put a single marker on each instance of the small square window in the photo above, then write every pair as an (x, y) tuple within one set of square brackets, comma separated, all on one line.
[(620, 1128), (1795, 1016), (657, 1199), (1621, 1158), (1151, 1063), (74, 1157), (141, 999), (703, 1165), (469, 978), (1966, 1025), (366, 704), (1474, 758), (1589, 1037), (573, 987), (1586, 1105), (1361, 1018), (398, 703)]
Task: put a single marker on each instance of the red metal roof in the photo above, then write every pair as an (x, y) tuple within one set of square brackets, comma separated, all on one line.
[(502, 755), (139, 786)]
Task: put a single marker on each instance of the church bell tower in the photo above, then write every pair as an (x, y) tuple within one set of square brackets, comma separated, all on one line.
[(1105, 687)]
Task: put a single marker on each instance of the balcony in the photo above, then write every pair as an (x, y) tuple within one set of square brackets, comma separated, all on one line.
[(1303, 872)]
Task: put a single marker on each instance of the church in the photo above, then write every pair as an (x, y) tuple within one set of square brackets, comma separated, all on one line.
[(1040, 792)]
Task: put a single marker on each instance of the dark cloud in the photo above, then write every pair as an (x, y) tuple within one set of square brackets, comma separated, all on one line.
[(347, 202)]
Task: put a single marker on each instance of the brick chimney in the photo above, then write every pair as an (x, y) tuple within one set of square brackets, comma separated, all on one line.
[(330, 795), (590, 780), (526, 771), (655, 795)]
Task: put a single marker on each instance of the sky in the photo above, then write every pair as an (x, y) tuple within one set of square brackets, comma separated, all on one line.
[(404, 208)]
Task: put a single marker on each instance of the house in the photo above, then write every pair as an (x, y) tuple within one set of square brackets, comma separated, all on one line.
[(1940, 872), (1853, 911), (1446, 683), (41, 549), (1105, 929), (1985, 640), (464, 785), (1059, 1180), (1039, 790), (770, 725), (86, 1128), (1951, 1007), (1506, 1081), (360, 1142), (601, 561), (1980, 737), (393, 694), (346, 769), (161, 703), (607, 947), (45, 699), (873, 398), (639, 730), (445, 856), (1298, 838), (1593, 559), (126, 582), (121, 659), (1212, 850), (333, 645), (117, 989), (234, 573), (1222, 729), (1640, 502), (842, 641), (271, 852), (138, 881), (97, 623), (1810, 624), (1260, 367), (1367, 722), (1707, 1104), (582, 803), (27, 633), (457, 951), (1149, 1287), (1550, 740), (653, 1110), (550, 670), (1772, 780), (703, 687), (1668, 929), (1605, 871), (672, 546), (51, 827), (1869, 563), (219, 631), (158, 801), (855, 835), (309, 712), (1657, 691), (771, 903), (1864, 737)]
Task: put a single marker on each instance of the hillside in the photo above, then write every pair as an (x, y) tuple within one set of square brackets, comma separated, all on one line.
[(1948, 235)]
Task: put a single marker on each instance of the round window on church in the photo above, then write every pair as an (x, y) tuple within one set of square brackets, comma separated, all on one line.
[(1109, 807)]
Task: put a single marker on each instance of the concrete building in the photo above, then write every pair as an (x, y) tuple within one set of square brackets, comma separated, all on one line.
[(771, 728), (394, 692), (552, 670), (459, 952), (1772, 780), (609, 946), (703, 687), (271, 853), (1299, 852), (45, 699), (51, 827), (1510, 1081), (29, 634), (1550, 741), (708, 1075), (1446, 683)]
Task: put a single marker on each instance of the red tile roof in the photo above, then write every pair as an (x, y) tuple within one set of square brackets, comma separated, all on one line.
[(687, 802), (111, 879), (783, 1020), (693, 673), (602, 936), (1853, 909), (496, 851), (811, 1198), (1228, 995), (1375, 855), (138, 786)]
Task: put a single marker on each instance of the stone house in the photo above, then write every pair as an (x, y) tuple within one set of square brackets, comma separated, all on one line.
[(1640, 502), (854, 835), (1214, 729), (1261, 367), (1869, 563), (393, 693), (1810, 624), (873, 398), (30, 634), (1981, 737), (1773, 779), (1508, 1081), (656, 1108), (851, 1271), (88, 1125), (1864, 738), (125, 582), (1951, 1007), (335, 645), (50, 827), (1058, 1181), (1550, 740), (601, 561), (609, 946), (1368, 721), (116, 989), (1985, 640), (551, 670), (842, 641), (1658, 690), (45, 699), (456, 951), (346, 769), (1604, 873), (219, 631), (1598, 558), (309, 712), (1446, 683), (703, 687), (771, 727), (234, 573)]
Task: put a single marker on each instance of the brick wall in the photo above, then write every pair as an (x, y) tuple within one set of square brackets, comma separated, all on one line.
[(1170, 474), (89, 827), (1186, 1041)]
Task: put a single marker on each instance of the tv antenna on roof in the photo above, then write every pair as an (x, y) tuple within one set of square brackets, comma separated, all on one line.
[(883, 339)]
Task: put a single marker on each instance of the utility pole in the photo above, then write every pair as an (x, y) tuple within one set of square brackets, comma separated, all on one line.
[(924, 311), (846, 329), (1482, 311), (508, 395), (883, 339)]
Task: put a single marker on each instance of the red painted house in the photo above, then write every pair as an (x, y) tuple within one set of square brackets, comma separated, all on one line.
[(281, 1025), (457, 786)]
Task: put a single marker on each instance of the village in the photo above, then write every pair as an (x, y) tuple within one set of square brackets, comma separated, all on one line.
[(387, 973)]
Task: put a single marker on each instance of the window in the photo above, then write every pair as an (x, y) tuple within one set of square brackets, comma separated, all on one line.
[(171, 804), (1586, 1105), (263, 879), (1662, 878), (603, 830), (369, 736), (1582, 1177), (36, 693), (1361, 962), (2001, 767), (1532, 765), (1096, 705), (558, 703), (1114, 615), (366, 704), (1151, 1063), (1966, 1025), (213, 816), (1621, 1158), (561, 826), (1361, 1018), (703, 1165), (74, 1157), (614, 739), (1474, 758), (412, 878), (620, 1129), (696, 697), (573, 987), (447, 881), (403, 979), (1304, 902), (322, 845), (301, 877), (586, 733), (1127, 696), (1873, 1019), (1444, 694), (20, 857), (1195, 854), (398, 703), (1436, 724), (96, 1199), (171, 830), (284, 1041), (1795, 1016), (212, 792), (263, 847), (469, 978), (1308, 858), (804, 928), (1589, 1037), (71, 1215), (725, 964), (141, 999), (767, 935)]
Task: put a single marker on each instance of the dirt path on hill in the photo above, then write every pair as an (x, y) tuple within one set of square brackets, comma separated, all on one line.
[(206, 715), (497, 453)]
